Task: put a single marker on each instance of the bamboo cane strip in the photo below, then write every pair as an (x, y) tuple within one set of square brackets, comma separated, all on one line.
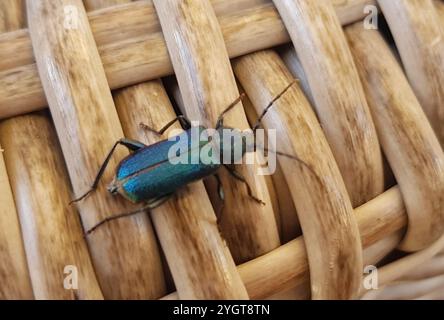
[(437, 294), (348, 10), (135, 20), (288, 54), (51, 230), (138, 19), (124, 252), (324, 208), (439, 5), (136, 59), (380, 249), (407, 289), (372, 256), (428, 269), (202, 67), (339, 98), (100, 4), (11, 42), (14, 269), (293, 63), (419, 38), (70, 248), (395, 270), (186, 225), (301, 292), (286, 267), (11, 15), (408, 140)]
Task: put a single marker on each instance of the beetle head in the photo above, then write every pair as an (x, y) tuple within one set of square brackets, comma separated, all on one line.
[(113, 188)]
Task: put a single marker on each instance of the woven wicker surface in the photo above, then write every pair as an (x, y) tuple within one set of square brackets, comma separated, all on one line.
[(365, 117)]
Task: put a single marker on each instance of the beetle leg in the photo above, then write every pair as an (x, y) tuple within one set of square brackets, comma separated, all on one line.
[(182, 119), (154, 203), (221, 194), (268, 107), (185, 122), (239, 177), (220, 188), (130, 144)]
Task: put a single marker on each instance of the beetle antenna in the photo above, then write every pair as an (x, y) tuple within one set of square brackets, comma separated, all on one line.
[(220, 119), (85, 195), (297, 159), (268, 107)]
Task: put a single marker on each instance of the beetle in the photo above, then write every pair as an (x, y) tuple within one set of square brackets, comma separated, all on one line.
[(148, 174)]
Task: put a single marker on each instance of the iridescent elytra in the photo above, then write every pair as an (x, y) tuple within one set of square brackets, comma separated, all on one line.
[(148, 174)]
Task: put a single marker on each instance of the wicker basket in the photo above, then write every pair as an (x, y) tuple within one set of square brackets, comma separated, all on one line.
[(365, 119)]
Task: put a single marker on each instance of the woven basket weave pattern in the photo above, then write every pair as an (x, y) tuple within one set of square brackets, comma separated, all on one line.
[(365, 120)]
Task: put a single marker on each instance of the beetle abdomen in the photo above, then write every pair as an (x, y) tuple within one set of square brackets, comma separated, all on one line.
[(151, 155), (163, 179)]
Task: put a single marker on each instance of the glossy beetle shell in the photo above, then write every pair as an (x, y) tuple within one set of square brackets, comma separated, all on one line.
[(149, 173)]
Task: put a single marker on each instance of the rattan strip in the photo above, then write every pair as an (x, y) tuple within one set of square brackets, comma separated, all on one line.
[(287, 266), (14, 269), (408, 140), (262, 75), (125, 254), (439, 5), (51, 232), (419, 34), (430, 288), (100, 4), (337, 94), (420, 146), (140, 58), (51, 229)]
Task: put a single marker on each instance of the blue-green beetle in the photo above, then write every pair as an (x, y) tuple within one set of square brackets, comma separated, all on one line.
[(148, 174)]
